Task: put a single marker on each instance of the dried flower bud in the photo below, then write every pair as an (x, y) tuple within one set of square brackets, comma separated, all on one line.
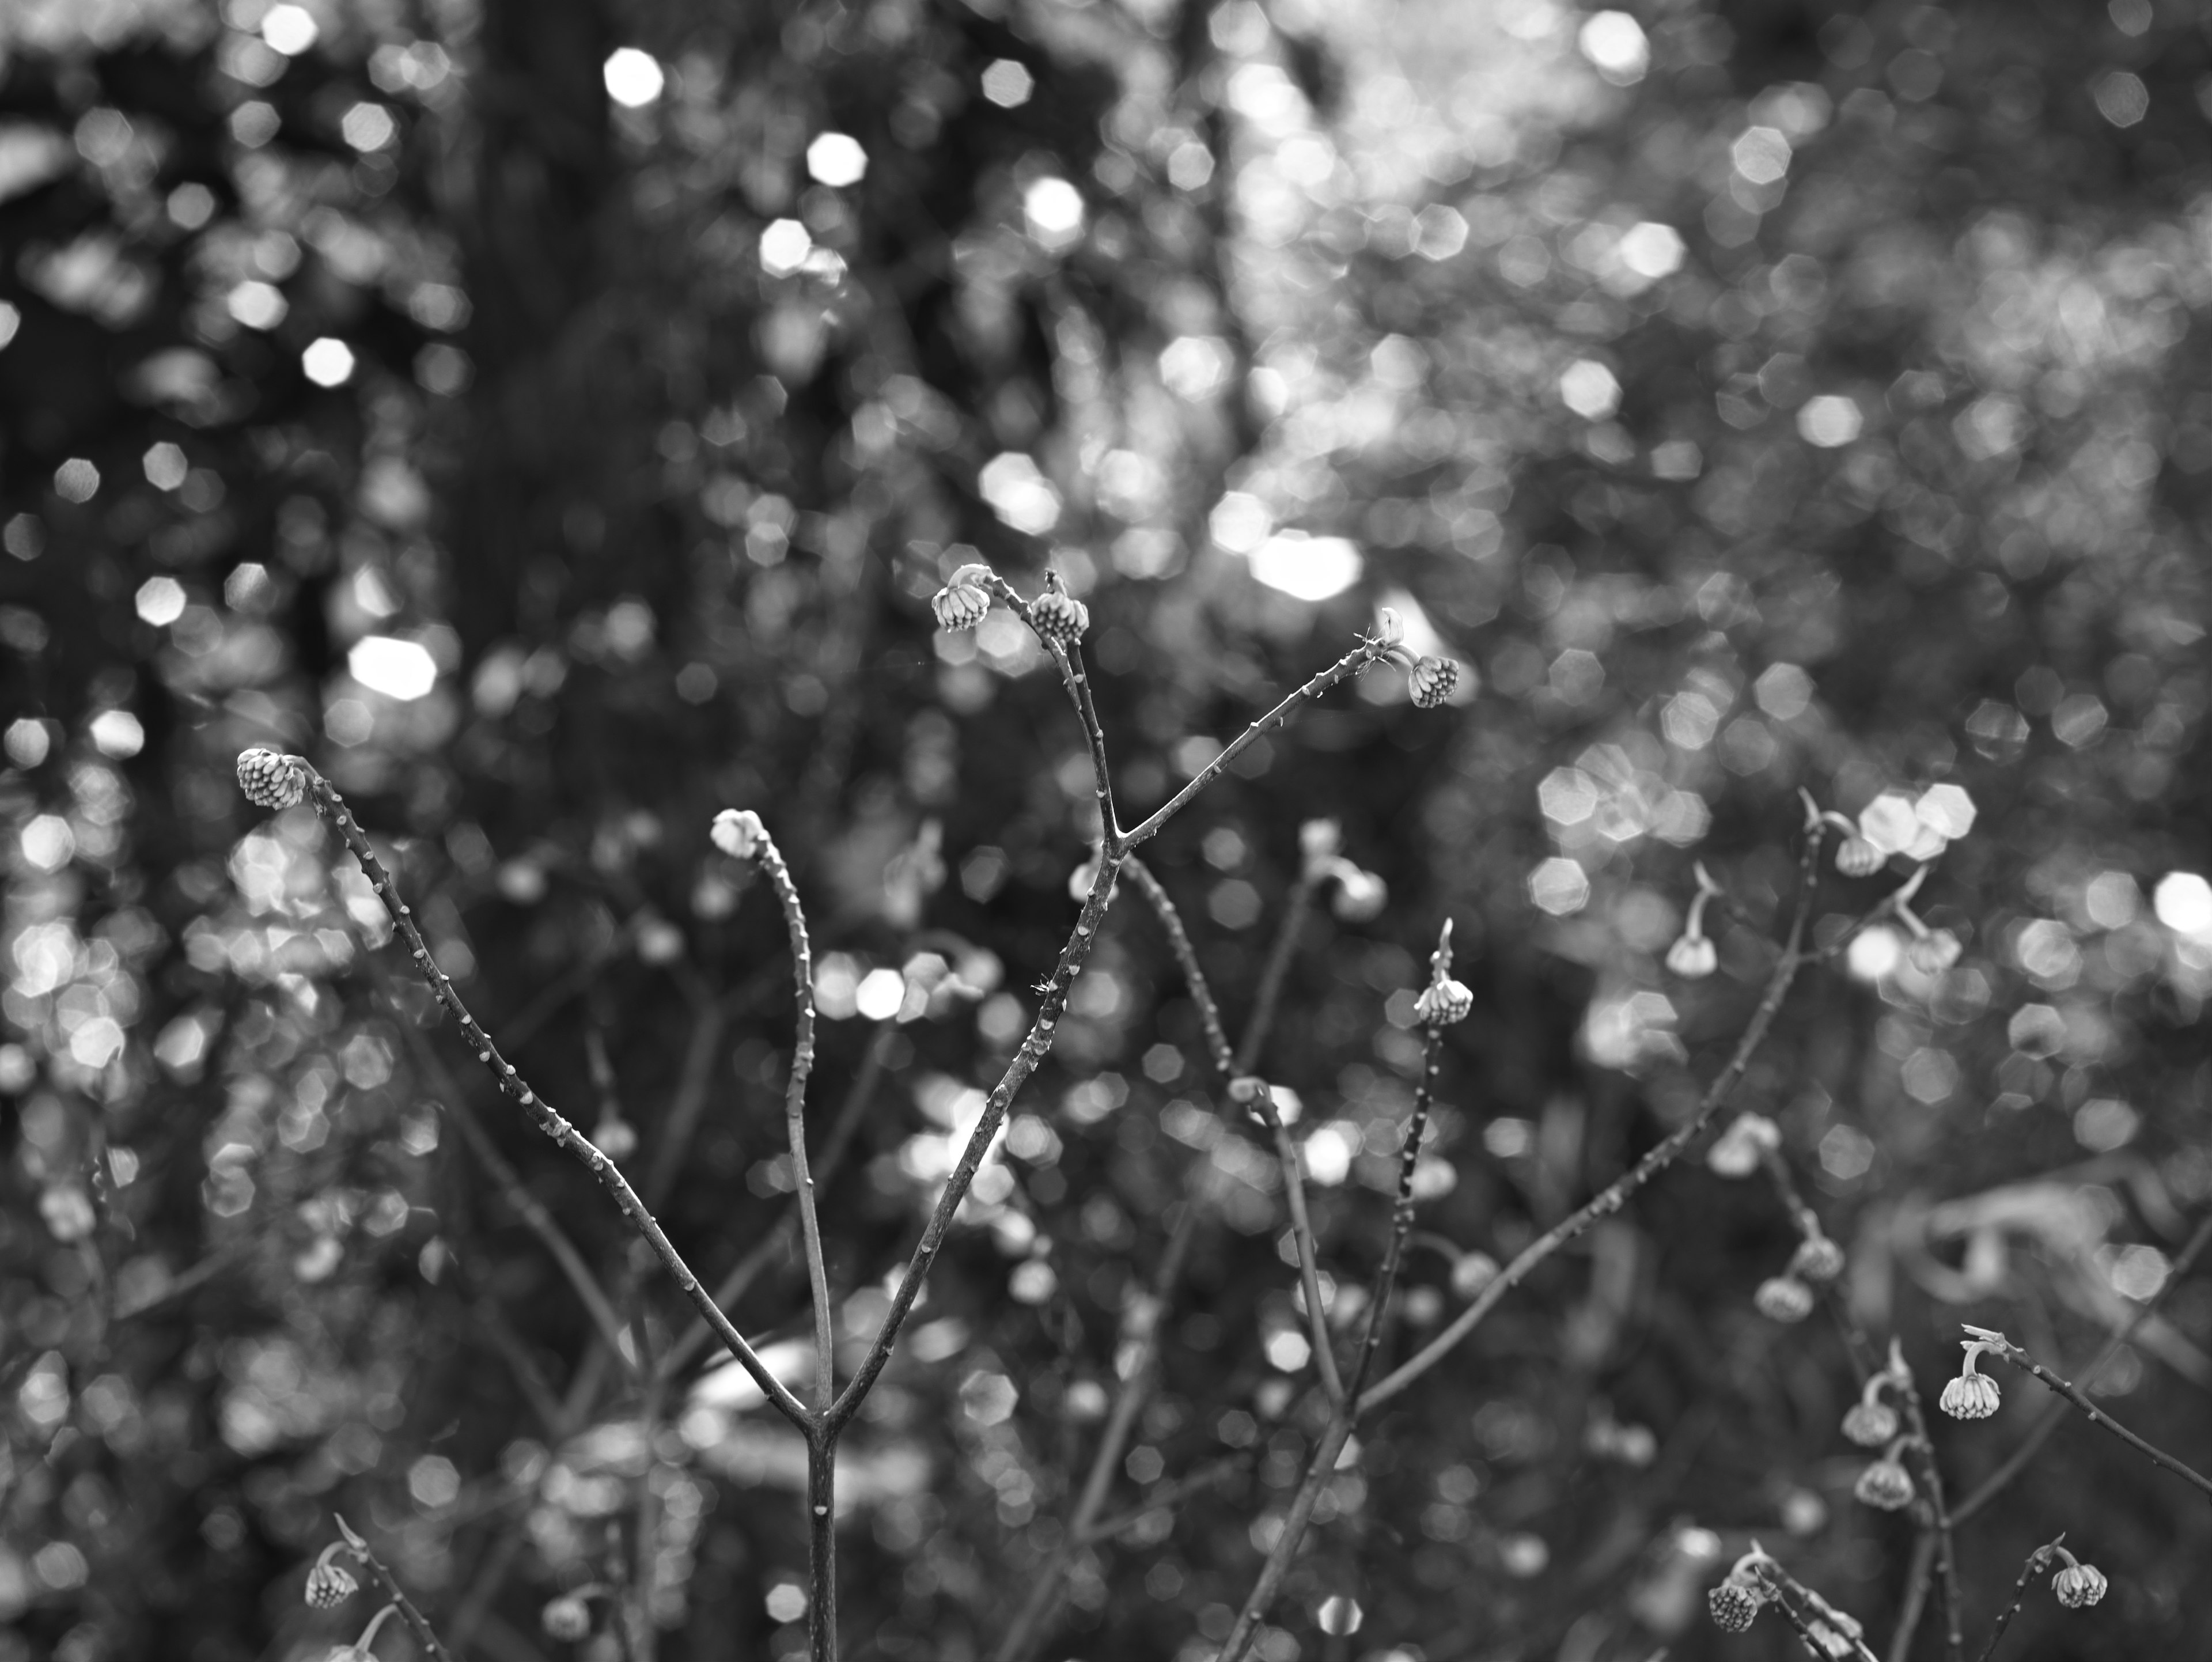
[(329, 1585), (1856, 857), (739, 833), (568, 1618), (1783, 1298), (1061, 616), (1934, 953), (1736, 1152), (2079, 1585), (1432, 681), (1473, 1272), (1692, 957), (1817, 1259), (1970, 1396), (1360, 895), (270, 781), (1735, 1605), (1443, 1003), (1870, 1424), (964, 598), (1885, 1484)]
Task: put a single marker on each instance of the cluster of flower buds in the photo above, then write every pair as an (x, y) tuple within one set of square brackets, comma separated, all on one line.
[(329, 1584), (1057, 615), (1360, 895), (1444, 1001), (2078, 1584), (1871, 1421), (1736, 1602), (271, 780), (964, 599), (1973, 1395), (1693, 956), (1885, 1485), (1431, 679), (1737, 1151)]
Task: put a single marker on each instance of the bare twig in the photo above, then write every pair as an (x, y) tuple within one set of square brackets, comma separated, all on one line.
[(2037, 1563), (2004, 1348), (1186, 956), (1296, 908), (332, 807), (1922, 1449), (1351, 664), (1998, 1480), (1918, 1576), (794, 1109), (1167, 1494), (733, 1286), (672, 1139), (526, 1205), (1662, 1155), (1146, 1316), (416, 1623)]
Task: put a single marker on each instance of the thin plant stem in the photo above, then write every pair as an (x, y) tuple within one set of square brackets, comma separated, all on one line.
[(1186, 957), (1120, 1420), (1352, 663), (1067, 657), (1262, 1598), (1294, 1195), (1917, 1577), (644, 1633), (1922, 1449), (526, 1206), (2037, 1563), (1276, 971), (329, 804), (418, 1623), (821, 1541), (741, 1274), (1401, 1219), (1168, 1494), (1034, 1048), (674, 1143), (1345, 1406), (1790, 1592), (1661, 1156), (2020, 1359), (794, 1110), (1232, 1066), (1998, 1480)]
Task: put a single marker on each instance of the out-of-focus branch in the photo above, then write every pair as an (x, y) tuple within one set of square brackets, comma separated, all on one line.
[(1998, 1480), (1662, 1155), (275, 782)]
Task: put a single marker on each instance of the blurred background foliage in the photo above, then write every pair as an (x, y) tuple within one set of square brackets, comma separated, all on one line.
[(552, 418)]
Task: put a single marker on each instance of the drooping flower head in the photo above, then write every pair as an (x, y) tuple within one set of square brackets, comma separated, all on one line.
[(1737, 1151), (1973, 1395), (566, 1618), (1783, 1298), (966, 596), (2079, 1585), (1817, 1259), (1885, 1485), (1058, 615), (328, 1584)]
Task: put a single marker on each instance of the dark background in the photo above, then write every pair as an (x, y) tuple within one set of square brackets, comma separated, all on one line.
[(665, 518)]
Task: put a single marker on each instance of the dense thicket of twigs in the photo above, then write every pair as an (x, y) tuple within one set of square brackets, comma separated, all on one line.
[(1753, 397)]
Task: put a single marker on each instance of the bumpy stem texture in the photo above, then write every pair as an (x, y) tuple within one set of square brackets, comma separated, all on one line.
[(332, 807)]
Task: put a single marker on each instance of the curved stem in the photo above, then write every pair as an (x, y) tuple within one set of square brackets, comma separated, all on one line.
[(332, 807), (1662, 1155), (794, 1110)]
